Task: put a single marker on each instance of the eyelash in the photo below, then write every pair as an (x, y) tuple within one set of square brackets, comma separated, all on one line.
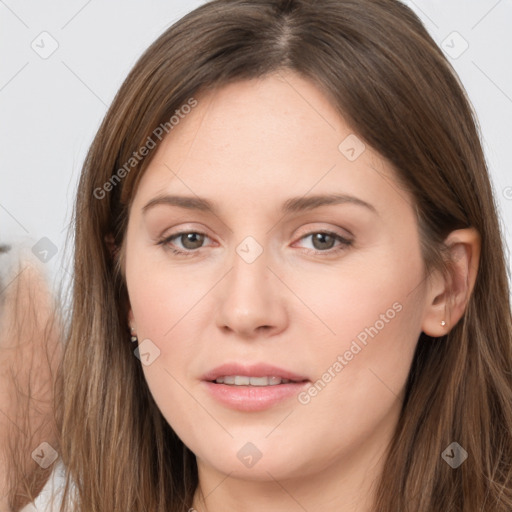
[(344, 243)]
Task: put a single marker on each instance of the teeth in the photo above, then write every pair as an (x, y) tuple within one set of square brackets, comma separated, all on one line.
[(263, 381), (243, 380)]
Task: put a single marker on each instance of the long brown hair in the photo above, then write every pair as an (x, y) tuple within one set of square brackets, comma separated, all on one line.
[(385, 75)]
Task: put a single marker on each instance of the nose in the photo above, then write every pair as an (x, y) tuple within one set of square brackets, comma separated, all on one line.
[(251, 300)]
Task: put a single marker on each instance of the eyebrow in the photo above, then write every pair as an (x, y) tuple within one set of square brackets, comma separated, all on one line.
[(292, 205)]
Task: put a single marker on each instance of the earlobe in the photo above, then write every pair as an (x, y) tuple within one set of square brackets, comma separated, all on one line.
[(131, 326), (449, 295)]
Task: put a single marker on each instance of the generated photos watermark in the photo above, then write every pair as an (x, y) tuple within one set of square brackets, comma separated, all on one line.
[(137, 156), (357, 345)]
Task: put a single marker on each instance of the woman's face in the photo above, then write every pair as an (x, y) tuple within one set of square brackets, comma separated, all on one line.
[(301, 261)]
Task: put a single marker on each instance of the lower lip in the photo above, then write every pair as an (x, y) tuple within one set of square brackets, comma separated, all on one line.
[(253, 398)]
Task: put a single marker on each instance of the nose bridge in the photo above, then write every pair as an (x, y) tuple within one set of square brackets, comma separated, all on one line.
[(250, 298), (250, 272)]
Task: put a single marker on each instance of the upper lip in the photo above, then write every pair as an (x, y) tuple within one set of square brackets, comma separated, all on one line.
[(252, 370)]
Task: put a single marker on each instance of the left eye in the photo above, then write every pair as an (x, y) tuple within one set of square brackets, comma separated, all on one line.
[(191, 241), (323, 241)]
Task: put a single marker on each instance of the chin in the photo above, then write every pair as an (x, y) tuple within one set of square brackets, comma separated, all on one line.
[(249, 463)]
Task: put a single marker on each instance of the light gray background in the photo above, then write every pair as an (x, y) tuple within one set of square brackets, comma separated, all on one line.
[(50, 108)]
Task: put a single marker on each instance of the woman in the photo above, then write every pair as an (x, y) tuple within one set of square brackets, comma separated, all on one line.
[(290, 289)]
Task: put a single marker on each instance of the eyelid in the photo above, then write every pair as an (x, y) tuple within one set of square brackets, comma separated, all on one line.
[(341, 232), (181, 230)]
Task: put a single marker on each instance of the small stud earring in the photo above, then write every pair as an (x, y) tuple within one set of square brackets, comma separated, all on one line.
[(133, 337), (443, 323)]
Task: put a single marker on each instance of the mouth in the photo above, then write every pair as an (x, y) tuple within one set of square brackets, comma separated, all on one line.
[(245, 380), (252, 388)]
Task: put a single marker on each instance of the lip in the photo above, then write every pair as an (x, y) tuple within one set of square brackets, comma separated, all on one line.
[(253, 398)]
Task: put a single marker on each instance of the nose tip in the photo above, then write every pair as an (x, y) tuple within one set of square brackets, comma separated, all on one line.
[(253, 319), (250, 301)]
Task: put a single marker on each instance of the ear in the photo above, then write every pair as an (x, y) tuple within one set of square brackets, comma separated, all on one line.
[(448, 295), (131, 322)]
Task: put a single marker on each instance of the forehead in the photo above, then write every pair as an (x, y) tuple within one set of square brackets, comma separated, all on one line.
[(260, 138), (272, 114)]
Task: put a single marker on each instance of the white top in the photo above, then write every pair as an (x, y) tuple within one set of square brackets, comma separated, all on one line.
[(50, 498)]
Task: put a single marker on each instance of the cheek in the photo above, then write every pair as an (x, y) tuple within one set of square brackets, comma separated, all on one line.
[(162, 294), (371, 296), (164, 314), (360, 373), (162, 305), (371, 318), (166, 302)]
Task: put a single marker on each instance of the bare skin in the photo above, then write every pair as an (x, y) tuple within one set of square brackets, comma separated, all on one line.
[(298, 305), (30, 351)]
